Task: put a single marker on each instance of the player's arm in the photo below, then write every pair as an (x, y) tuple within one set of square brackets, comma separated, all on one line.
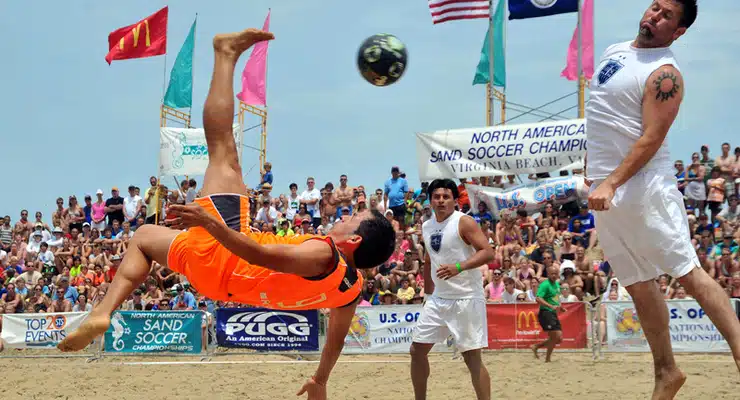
[(427, 273), (660, 104), (472, 234), (340, 320)]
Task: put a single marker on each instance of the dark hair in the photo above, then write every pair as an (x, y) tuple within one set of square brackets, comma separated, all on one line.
[(522, 213), (443, 184), (690, 9), (378, 241), (293, 185)]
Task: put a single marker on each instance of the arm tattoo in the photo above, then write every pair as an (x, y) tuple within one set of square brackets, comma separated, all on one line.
[(666, 86)]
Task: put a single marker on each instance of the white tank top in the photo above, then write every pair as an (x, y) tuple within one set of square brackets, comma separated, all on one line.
[(445, 246), (614, 109)]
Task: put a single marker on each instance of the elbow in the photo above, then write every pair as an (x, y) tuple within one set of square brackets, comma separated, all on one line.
[(489, 255)]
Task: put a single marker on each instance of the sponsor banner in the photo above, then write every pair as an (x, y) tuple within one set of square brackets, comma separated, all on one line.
[(268, 330), (690, 328), (385, 329), (515, 326), (501, 150), (530, 197), (22, 331), (154, 332), (183, 151)]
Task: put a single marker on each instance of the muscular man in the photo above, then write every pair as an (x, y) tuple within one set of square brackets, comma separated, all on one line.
[(343, 197), (640, 215), (456, 248), (224, 261)]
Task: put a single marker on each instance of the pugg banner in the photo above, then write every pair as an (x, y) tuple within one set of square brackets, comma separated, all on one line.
[(154, 331), (501, 150), (39, 330), (531, 196), (183, 151)]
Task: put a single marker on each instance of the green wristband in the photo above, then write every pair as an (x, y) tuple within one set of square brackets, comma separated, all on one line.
[(459, 268)]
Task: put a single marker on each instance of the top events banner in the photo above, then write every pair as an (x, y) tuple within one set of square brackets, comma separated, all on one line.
[(183, 151), (501, 150)]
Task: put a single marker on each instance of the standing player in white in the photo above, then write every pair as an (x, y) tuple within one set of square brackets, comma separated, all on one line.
[(455, 304), (640, 215)]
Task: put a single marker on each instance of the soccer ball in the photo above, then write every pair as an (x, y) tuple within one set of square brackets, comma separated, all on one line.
[(382, 59)]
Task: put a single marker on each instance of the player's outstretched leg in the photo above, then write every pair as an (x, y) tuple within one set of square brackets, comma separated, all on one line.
[(224, 174), (151, 242)]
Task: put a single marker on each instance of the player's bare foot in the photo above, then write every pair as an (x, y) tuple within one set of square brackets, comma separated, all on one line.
[(534, 350), (668, 384), (93, 327), (234, 44)]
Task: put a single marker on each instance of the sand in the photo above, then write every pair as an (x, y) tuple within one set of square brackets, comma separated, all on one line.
[(514, 375)]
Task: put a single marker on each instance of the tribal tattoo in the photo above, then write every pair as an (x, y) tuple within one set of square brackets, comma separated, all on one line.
[(667, 86)]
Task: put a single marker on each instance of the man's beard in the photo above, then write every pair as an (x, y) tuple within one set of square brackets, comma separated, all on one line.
[(645, 32)]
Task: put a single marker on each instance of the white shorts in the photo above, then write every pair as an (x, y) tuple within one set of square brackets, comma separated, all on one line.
[(464, 319), (645, 232)]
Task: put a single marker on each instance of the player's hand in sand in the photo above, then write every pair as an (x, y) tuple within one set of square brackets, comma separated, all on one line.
[(314, 390), (188, 216), (601, 198)]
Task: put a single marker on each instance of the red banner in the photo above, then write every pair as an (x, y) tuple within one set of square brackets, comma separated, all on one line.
[(145, 38), (515, 326)]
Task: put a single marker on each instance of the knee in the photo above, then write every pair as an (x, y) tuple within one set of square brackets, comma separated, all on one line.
[(417, 351)]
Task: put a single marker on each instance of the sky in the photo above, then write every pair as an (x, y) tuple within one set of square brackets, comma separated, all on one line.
[(73, 124)]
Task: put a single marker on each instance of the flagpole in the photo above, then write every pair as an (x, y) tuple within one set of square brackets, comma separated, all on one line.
[(192, 72), (491, 69), (503, 93), (581, 77)]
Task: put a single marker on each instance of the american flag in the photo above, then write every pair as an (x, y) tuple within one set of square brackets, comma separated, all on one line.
[(450, 10)]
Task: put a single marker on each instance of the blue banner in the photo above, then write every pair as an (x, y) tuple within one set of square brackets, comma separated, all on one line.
[(522, 9), (267, 330), (155, 332)]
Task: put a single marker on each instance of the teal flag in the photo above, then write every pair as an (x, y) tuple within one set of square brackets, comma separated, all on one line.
[(180, 91), (499, 61)]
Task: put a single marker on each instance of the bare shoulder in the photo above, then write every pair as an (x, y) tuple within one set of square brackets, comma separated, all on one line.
[(310, 258), (665, 85)]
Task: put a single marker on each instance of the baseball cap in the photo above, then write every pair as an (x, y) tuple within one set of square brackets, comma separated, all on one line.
[(84, 224), (115, 257), (345, 209), (100, 191), (115, 188), (88, 196), (57, 230), (395, 169), (137, 292)]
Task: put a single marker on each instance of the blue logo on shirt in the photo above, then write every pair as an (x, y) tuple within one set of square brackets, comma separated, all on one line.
[(609, 70), (436, 241)]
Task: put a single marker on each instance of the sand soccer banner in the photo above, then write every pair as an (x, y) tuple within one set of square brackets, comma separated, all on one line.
[(690, 328), (183, 151), (268, 330), (154, 332), (515, 326), (531, 197), (501, 150), (385, 329), (22, 331)]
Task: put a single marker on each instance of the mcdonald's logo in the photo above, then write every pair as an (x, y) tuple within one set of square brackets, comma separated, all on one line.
[(524, 320)]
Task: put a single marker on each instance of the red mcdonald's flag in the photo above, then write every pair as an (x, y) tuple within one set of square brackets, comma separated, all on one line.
[(145, 38)]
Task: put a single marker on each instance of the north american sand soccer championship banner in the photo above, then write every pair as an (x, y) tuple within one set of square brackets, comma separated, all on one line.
[(385, 329), (515, 326), (690, 328), (501, 150), (183, 151), (154, 332), (531, 197), (22, 331), (267, 330)]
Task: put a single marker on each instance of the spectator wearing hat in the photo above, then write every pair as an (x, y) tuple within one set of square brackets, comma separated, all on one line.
[(87, 209), (184, 300), (267, 213), (136, 299), (574, 281), (114, 207), (284, 228), (68, 292), (45, 235), (395, 194), (98, 212)]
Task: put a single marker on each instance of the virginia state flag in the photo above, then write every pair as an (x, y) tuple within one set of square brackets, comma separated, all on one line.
[(522, 9)]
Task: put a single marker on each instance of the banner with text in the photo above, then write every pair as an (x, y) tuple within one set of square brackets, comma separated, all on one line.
[(183, 151), (267, 330), (501, 150), (385, 329), (690, 328), (515, 326), (22, 331), (531, 197), (154, 332)]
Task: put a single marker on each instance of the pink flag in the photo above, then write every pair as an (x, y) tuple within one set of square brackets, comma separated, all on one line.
[(254, 75), (587, 41)]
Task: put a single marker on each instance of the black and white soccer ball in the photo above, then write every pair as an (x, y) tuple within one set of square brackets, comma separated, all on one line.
[(382, 59)]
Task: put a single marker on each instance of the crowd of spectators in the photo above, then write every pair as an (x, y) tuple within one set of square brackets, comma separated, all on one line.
[(68, 264)]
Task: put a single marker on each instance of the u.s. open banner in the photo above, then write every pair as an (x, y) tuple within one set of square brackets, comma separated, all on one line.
[(385, 329), (155, 332), (690, 328), (268, 330), (515, 326), (531, 196), (501, 150), (183, 151), (39, 330)]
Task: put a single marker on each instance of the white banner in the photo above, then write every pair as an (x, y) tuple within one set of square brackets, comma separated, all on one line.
[(385, 329), (183, 151), (531, 197), (39, 330), (690, 328), (501, 150)]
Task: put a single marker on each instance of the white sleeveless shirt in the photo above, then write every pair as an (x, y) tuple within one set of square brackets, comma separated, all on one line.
[(445, 246), (614, 109)]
